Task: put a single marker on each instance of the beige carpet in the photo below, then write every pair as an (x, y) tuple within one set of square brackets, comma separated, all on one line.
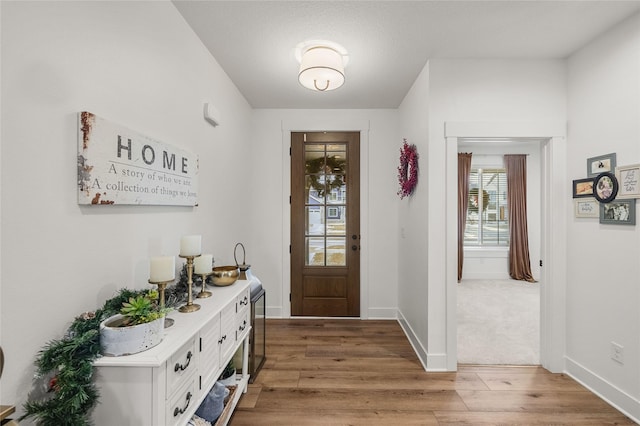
[(498, 322)]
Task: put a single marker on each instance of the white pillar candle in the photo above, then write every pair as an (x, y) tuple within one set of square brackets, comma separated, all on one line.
[(162, 269), (203, 264), (190, 245)]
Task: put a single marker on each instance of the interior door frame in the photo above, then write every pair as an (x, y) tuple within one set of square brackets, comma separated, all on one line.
[(553, 242), (313, 123)]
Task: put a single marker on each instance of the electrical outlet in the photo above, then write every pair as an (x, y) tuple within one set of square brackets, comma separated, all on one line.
[(617, 353)]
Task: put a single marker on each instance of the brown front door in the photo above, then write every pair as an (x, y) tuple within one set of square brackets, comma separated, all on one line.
[(325, 224)]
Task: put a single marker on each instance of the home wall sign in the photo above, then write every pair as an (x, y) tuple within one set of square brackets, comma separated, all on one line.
[(119, 166)]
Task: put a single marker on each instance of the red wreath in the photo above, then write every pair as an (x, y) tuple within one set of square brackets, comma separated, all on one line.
[(408, 169)]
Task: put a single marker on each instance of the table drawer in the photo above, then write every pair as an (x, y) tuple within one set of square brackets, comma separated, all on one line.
[(243, 323), (182, 402), (209, 359), (181, 365), (244, 299), (227, 330)]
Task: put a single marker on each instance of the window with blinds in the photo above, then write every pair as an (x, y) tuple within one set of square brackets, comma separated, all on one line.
[(487, 215)]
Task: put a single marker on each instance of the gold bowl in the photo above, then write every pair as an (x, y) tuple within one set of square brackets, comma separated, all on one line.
[(225, 275)]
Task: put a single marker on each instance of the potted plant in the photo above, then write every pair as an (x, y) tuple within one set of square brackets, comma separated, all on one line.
[(228, 376), (139, 326)]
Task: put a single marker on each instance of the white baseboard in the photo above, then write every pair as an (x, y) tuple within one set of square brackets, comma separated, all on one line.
[(616, 397), (437, 362), (430, 362), (373, 313), (274, 312), (382, 313), (413, 339), (485, 276)]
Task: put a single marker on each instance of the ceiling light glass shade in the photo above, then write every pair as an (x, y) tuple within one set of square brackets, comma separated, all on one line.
[(321, 69)]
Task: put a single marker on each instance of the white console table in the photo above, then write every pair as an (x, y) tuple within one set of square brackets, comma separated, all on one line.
[(165, 384)]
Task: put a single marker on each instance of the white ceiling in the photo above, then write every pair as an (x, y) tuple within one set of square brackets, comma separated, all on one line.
[(389, 42)]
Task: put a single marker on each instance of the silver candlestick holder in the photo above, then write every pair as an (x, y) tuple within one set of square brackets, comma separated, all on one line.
[(190, 306)]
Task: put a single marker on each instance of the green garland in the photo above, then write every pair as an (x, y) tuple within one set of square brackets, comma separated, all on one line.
[(64, 367)]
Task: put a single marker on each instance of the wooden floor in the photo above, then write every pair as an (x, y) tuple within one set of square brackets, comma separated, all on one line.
[(352, 372)]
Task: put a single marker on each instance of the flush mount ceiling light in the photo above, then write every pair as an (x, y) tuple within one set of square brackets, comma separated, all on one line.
[(321, 64)]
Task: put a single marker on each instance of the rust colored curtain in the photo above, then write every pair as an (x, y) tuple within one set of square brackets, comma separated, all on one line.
[(519, 262), (464, 169)]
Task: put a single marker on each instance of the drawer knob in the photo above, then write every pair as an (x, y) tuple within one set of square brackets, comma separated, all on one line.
[(179, 411), (244, 301), (222, 339), (180, 367), (243, 325)]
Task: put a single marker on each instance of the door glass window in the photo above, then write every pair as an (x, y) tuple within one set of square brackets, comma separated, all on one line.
[(314, 251), (313, 217), (336, 220), (336, 250), (326, 203)]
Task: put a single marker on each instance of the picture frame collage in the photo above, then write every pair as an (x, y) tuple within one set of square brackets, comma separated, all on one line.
[(609, 192)]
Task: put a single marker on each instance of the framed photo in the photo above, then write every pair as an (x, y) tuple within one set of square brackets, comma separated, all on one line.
[(618, 212), (586, 208), (628, 181), (605, 187), (583, 188), (603, 163)]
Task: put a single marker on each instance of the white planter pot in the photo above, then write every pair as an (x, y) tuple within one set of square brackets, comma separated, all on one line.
[(118, 341)]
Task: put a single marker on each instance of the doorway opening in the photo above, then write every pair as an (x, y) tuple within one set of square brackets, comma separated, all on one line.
[(498, 318), (553, 247)]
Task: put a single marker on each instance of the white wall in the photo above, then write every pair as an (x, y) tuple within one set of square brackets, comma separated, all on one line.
[(413, 215), (465, 91), (479, 91), (139, 65), (269, 199), (603, 269)]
